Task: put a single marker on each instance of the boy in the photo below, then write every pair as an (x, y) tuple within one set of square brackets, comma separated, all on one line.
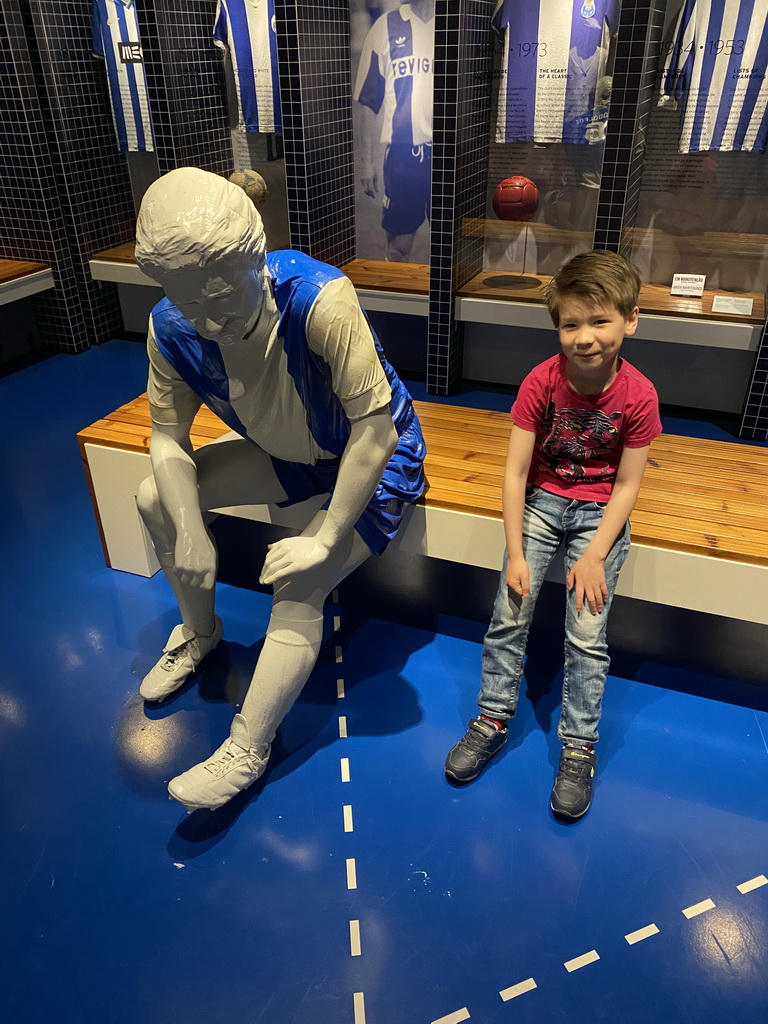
[(583, 422)]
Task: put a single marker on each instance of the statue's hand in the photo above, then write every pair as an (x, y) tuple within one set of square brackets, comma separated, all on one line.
[(292, 555), (195, 559)]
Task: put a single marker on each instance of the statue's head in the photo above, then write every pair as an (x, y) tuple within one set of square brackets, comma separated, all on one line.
[(201, 238)]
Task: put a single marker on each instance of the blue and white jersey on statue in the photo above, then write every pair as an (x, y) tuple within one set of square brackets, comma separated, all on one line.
[(554, 54), (717, 65), (319, 367), (246, 30), (396, 72), (310, 367), (116, 40)]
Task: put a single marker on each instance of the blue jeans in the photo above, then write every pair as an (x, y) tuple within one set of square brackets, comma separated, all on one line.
[(549, 520)]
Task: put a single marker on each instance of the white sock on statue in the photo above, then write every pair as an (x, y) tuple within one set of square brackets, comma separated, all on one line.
[(289, 654)]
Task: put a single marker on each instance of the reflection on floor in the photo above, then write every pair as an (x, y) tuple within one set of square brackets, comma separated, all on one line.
[(391, 898)]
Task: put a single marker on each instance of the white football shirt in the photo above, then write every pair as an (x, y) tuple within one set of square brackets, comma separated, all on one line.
[(554, 54), (717, 65), (396, 72), (116, 40), (246, 30)]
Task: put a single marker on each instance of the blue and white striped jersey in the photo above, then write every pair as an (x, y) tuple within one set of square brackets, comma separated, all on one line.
[(717, 65), (246, 30), (554, 54), (396, 71), (116, 40)]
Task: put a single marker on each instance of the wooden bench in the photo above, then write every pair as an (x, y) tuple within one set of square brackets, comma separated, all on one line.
[(699, 529), (20, 278)]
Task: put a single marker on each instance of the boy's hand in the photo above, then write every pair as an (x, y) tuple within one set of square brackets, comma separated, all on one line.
[(588, 577), (517, 576)]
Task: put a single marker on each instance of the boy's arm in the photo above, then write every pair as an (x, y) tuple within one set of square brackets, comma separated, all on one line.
[(587, 575), (519, 454)]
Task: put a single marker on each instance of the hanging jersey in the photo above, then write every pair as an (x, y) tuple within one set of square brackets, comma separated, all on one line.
[(554, 54), (116, 40), (246, 30), (396, 73), (717, 66)]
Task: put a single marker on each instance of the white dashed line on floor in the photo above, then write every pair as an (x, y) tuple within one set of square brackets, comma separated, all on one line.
[(348, 818), (339, 654), (339, 688), (699, 908), (359, 1004), (453, 1018), (336, 623), (354, 938), (581, 961), (517, 990), (753, 883), (641, 933), (351, 873), (342, 727), (345, 769)]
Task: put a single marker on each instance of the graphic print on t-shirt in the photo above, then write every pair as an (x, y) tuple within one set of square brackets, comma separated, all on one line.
[(574, 435)]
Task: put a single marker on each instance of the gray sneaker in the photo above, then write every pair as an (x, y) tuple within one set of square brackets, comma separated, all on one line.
[(181, 656), (474, 750)]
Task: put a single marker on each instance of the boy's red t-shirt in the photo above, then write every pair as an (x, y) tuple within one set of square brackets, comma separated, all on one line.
[(579, 439)]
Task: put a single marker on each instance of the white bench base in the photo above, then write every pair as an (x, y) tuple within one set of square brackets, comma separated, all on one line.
[(678, 579)]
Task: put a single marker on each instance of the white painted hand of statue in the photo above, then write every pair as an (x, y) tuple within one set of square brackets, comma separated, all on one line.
[(195, 559), (292, 555)]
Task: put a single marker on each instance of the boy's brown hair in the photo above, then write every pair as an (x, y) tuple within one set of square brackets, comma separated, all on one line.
[(598, 276)]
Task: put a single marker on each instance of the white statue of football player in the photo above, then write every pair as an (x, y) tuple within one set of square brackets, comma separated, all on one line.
[(277, 345)]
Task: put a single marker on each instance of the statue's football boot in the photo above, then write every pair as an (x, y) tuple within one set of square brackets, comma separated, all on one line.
[(181, 656)]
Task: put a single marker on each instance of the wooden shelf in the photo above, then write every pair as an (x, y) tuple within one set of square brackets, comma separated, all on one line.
[(654, 298), (13, 270), (125, 253), (413, 279), (380, 275)]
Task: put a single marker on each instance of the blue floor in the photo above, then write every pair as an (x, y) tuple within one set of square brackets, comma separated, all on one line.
[(120, 909)]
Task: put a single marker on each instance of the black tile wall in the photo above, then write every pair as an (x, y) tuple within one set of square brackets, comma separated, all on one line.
[(460, 143), (315, 89), (634, 79), (186, 85), (91, 174), (754, 421)]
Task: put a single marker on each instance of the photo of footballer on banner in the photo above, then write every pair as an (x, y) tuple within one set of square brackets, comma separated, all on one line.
[(392, 45)]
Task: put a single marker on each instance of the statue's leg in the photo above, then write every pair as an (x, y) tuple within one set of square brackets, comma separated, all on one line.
[(294, 636), (229, 472), (287, 658)]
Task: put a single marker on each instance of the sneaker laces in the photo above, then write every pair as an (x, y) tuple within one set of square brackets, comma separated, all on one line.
[(476, 739), (227, 756), (175, 655), (575, 768)]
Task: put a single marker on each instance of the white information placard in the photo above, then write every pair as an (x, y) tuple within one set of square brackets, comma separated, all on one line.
[(688, 284), (731, 304)]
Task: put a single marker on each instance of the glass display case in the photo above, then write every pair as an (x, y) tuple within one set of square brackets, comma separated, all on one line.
[(698, 226), (392, 56), (552, 78), (703, 202)]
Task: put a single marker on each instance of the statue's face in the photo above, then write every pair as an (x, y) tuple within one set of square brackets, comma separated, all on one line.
[(221, 301)]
